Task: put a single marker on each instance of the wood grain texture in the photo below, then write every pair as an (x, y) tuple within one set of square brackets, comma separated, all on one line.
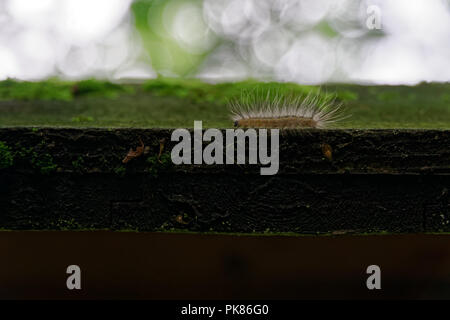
[(366, 181)]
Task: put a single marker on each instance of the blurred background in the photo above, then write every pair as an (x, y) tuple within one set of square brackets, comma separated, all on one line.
[(302, 41)]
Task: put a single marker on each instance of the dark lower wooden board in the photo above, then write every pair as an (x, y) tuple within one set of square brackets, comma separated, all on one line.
[(141, 265)]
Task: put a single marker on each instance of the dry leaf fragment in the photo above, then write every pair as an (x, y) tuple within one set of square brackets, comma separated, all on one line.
[(134, 153)]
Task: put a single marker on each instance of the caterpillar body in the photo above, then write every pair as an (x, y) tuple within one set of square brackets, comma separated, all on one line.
[(287, 112)]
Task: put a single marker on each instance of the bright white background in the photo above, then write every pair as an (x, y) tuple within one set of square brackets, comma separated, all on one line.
[(85, 38)]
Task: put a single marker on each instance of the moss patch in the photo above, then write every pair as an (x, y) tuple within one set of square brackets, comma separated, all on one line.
[(44, 163), (35, 157), (198, 92), (59, 90), (44, 90), (120, 171), (6, 156), (156, 165), (78, 164), (100, 88)]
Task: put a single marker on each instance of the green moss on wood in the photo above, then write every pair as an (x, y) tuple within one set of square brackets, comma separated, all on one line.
[(100, 88), (35, 157), (120, 171), (198, 92), (82, 119), (158, 165), (78, 164), (6, 156), (43, 90), (43, 162), (174, 103), (60, 90)]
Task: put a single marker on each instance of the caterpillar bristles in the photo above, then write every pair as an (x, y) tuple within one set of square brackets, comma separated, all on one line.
[(286, 111)]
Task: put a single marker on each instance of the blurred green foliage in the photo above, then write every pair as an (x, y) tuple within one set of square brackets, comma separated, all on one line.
[(166, 54), (6, 156), (157, 22)]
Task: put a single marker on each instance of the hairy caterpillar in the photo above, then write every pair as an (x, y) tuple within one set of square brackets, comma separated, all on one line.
[(281, 111)]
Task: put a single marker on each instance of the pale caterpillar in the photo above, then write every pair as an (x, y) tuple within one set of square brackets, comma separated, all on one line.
[(285, 111)]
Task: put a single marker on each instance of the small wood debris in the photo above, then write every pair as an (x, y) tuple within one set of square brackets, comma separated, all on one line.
[(327, 151), (132, 154), (161, 148)]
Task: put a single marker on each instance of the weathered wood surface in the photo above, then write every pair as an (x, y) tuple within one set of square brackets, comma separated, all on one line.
[(374, 181)]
